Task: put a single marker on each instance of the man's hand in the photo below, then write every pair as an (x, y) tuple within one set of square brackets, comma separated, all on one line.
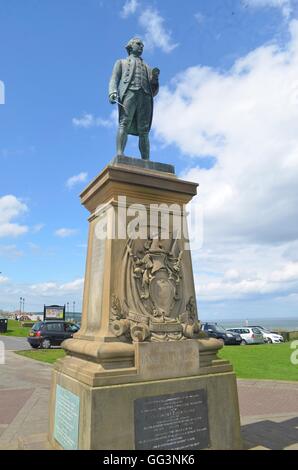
[(113, 98), (155, 72)]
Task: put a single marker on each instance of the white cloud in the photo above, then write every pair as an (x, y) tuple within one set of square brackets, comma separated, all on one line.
[(284, 5), (289, 272), (55, 288), (73, 180), (129, 8), (40, 293), (231, 271), (11, 208), (3, 279), (65, 232), (88, 120), (155, 33), (231, 274), (247, 119), (76, 285)]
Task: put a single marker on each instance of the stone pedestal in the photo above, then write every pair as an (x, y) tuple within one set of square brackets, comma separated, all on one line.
[(140, 349)]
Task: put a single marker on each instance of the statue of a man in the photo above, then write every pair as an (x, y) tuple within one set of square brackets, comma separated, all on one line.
[(133, 85)]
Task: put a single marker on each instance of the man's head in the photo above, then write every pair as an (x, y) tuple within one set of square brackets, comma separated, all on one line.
[(135, 46)]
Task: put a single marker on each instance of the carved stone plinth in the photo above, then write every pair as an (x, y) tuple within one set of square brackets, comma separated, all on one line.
[(137, 289), (140, 324)]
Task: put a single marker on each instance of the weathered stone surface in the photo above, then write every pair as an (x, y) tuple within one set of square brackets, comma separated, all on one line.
[(107, 413), (139, 313), (147, 164), (120, 306), (181, 359)]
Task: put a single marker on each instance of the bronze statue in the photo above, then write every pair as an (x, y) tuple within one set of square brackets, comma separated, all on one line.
[(132, 86)]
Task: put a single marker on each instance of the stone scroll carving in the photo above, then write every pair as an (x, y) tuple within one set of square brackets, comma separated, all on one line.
[(153, 306)]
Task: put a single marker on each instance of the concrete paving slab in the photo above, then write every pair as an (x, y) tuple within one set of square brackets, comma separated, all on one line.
[(11, 402), (13, 343), (263, 398)]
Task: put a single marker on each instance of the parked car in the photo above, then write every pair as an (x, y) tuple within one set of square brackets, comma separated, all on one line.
[(249, 334), (270, 336), (216, 331), (49, 333)]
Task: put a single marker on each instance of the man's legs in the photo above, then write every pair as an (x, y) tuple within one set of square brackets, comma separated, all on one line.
[(144, 117), (121, 140), (144, 146), (126, 117)]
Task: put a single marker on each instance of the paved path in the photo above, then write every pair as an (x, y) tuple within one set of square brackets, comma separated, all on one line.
[(269, 413), (24, 395), (12, 343), (269, 410)]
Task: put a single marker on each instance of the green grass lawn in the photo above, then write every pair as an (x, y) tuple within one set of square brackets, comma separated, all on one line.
[(268, 361), (14, 328), (44, 355), (264, 361)]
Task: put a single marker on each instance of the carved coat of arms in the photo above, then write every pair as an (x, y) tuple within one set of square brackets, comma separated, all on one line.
[(153, 306)]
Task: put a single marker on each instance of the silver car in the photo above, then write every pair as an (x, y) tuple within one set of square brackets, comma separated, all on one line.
[(249, 335), (270, 336)]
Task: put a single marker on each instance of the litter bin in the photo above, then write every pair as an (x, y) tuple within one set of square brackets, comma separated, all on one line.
[(3, 325)]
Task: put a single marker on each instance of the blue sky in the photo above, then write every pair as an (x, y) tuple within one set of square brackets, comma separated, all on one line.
[(215, 57)]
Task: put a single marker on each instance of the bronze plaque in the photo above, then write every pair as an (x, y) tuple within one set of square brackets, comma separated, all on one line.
[(172, 422)]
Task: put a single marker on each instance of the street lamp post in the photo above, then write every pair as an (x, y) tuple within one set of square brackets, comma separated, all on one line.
[(21, 301)]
